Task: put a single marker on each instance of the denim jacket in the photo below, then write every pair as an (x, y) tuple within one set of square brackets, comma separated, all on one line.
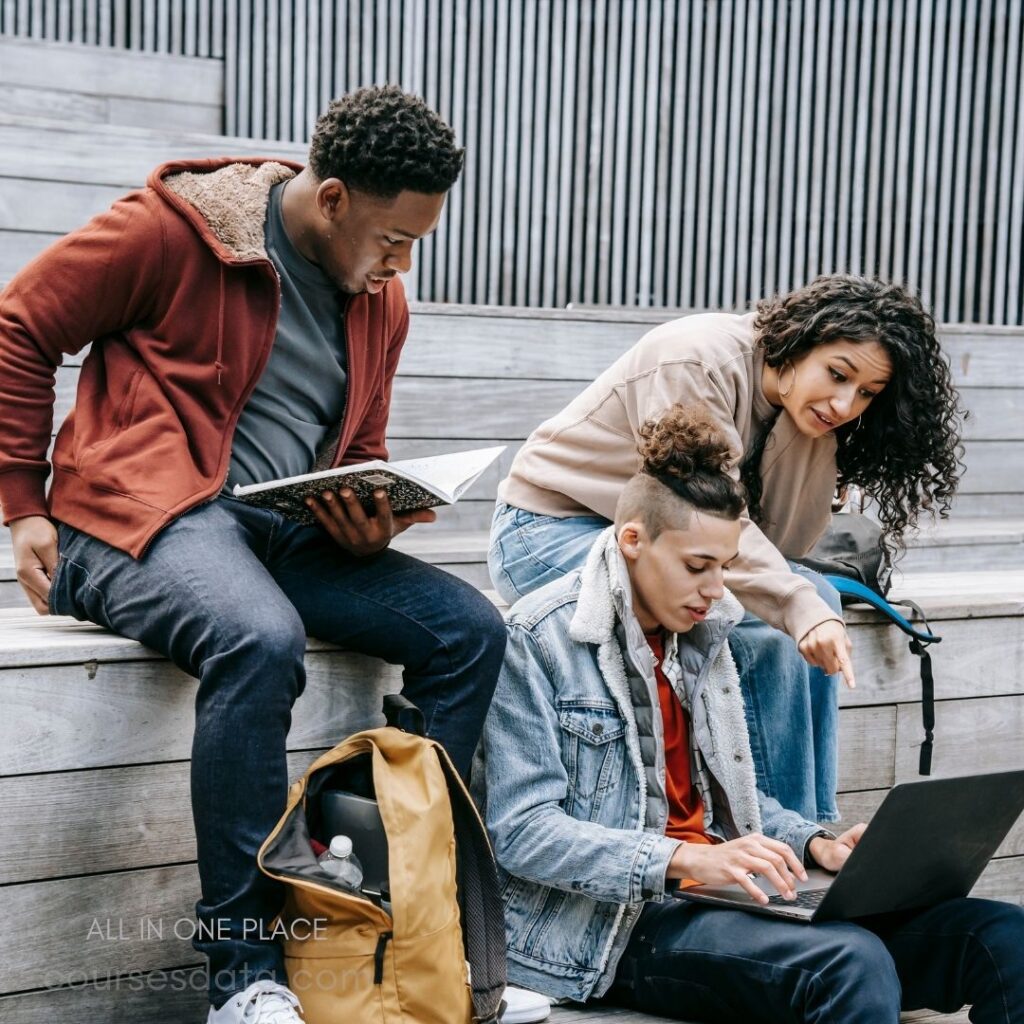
[(568, 803)]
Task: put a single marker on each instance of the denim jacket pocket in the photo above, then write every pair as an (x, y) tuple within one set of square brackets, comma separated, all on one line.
[(594, 723), (593, 738)]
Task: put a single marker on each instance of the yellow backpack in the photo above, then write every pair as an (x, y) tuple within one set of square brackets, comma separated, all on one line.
[(439, 956)]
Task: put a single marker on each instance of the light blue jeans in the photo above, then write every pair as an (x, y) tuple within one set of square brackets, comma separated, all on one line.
[(792, 708)]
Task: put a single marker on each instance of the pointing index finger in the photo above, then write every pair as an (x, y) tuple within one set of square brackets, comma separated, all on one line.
[(846, 667)]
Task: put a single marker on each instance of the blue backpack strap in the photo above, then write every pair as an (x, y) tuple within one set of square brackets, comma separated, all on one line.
[(919, 643), (851, 588)]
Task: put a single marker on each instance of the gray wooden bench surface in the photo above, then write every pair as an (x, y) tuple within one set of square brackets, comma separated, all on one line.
[(96, 731), (954, 546), (90, 85), (55, 176)]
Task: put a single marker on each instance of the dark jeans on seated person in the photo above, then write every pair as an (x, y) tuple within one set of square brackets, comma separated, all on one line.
[(229, 593), (706, 964)]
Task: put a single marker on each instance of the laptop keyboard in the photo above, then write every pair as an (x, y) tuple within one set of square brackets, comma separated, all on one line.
[(808, 899)]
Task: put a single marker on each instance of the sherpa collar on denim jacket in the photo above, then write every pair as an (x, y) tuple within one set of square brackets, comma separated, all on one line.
[(605, 602)]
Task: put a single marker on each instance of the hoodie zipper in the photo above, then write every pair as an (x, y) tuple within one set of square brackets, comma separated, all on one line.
[(336, 458), (220, 328), (219, 365)]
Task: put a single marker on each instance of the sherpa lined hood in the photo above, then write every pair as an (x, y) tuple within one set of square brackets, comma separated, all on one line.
[(228, 204), (228, 207)]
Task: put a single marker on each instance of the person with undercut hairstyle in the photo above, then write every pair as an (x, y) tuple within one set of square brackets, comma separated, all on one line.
[(619, 768), (246, 318)]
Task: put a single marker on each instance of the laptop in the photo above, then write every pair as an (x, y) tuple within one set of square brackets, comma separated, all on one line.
[(928, 842), (358, 818)]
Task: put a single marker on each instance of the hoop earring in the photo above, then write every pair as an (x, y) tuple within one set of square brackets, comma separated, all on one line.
[(860, 419), (788, 391)]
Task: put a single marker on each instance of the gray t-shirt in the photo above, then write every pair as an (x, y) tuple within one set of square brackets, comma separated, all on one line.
[(301, 394)]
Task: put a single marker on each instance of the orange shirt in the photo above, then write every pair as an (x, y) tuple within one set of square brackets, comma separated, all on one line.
[(685, 807)]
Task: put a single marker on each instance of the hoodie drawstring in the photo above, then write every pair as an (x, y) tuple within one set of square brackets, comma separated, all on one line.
[(220, 326)]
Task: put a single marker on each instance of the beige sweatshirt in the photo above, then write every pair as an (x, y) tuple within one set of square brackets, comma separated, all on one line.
[(578, 461)]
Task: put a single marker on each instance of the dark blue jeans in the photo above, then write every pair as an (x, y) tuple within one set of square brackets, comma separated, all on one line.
[(229, 593), (705, 964)]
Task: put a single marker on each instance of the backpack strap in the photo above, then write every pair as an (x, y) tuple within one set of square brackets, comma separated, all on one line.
[(920, 648), (855, 591), (401, 713), (920, 641), (483, 917)]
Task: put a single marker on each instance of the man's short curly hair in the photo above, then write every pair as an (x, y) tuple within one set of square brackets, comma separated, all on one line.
[(384, 141)]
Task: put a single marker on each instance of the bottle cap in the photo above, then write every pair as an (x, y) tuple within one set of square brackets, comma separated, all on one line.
[(341, 846)]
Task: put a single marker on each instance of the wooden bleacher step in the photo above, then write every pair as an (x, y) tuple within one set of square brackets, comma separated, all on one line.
[(958, 545), (955, 545), (57, 174), (94, 85), (94, 747)]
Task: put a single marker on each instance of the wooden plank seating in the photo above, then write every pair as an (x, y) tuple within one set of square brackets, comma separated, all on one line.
[(90, 85), (503, 376), (96, 731), (55, 176)]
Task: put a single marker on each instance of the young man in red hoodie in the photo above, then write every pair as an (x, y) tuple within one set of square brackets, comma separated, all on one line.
[(246, 319)]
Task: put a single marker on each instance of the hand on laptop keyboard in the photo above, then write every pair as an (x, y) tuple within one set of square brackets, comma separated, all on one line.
[(809, 898), (736, 860), (831, 854)]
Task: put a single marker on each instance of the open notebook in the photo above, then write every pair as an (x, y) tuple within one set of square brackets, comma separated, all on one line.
[(410, 484)]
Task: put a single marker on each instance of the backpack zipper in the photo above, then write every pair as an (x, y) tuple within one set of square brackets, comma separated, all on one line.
[(378, 957)]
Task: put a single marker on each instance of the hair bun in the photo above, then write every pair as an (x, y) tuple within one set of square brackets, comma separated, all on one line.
[(685, 442)]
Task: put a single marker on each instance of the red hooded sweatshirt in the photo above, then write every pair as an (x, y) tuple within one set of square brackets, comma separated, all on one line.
[(174, 289)]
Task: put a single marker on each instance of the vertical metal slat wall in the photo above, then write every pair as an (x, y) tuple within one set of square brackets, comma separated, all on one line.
[(687, 153), (191, 28)]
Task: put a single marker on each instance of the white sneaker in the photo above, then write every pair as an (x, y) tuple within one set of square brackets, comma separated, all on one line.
[(525, 1007), (263, 1002)]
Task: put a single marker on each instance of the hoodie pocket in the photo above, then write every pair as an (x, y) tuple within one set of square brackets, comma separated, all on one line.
[(121, 417), (124, 411)]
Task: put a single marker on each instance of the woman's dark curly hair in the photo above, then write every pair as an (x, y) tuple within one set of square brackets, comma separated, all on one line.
[(383, 141), (905, 452), (690, 455)]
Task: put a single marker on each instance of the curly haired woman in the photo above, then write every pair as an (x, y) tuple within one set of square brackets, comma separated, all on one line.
[(840, 382)]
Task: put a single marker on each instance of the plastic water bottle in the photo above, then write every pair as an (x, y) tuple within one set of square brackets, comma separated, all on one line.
[(342, 864)]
